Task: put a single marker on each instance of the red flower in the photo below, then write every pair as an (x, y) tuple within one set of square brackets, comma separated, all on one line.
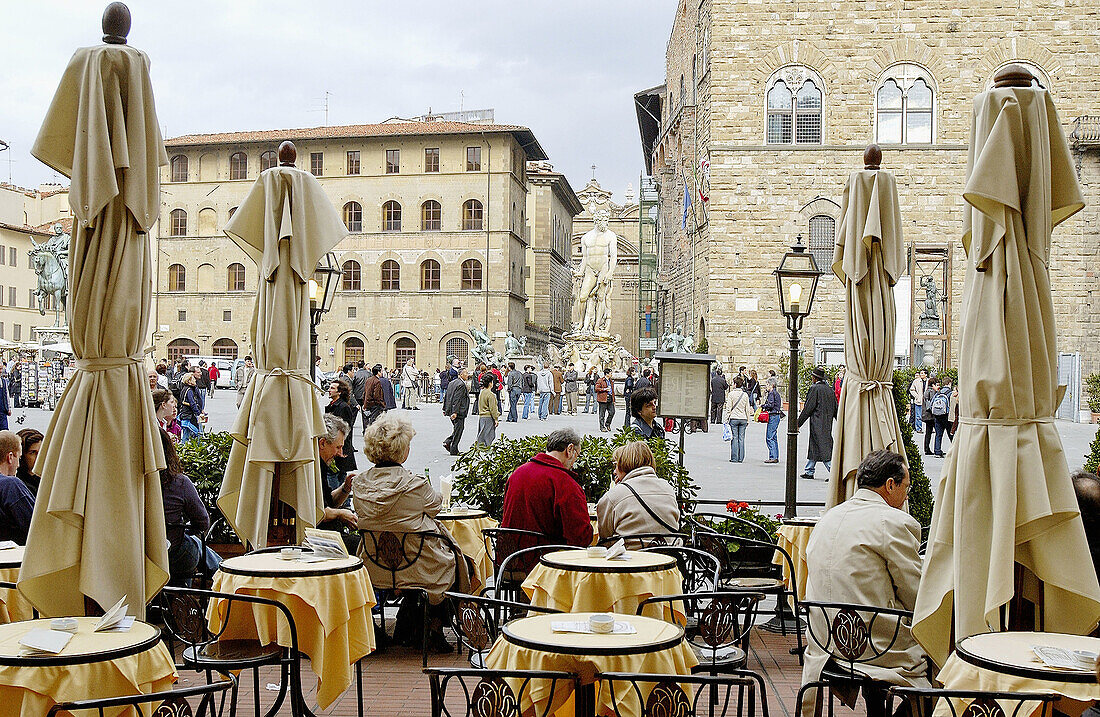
[(731, 507), (742, 504)]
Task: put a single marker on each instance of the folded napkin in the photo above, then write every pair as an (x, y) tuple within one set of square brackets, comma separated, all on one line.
[(618, 551)]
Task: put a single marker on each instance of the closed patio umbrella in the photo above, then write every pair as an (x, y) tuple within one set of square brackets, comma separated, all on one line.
[(1006, 520), (869, 259), (285, 224), (98, 525)]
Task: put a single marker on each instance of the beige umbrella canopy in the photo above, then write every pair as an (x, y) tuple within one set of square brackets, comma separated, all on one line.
[(1005, 506), (285, 225), (869, 260), (98, 525)]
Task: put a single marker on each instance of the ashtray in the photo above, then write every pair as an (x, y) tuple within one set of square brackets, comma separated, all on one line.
[(64, 624)]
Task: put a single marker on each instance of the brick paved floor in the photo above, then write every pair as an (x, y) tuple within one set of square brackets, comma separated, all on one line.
[(394, 686)]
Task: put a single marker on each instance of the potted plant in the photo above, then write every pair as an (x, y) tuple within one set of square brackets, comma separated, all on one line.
[(1092, 392), (204, 462)]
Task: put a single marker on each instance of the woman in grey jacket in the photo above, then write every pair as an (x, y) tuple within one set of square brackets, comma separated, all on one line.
[(639, 501)]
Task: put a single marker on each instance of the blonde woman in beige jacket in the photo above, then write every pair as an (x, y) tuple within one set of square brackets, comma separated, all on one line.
[(738, 410), (388, 497), (639, 501)]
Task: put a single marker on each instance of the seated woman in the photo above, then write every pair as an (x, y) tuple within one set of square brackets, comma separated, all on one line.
[(164, 403), (183, 508), (388, 497), (32, 441), (639, 501)]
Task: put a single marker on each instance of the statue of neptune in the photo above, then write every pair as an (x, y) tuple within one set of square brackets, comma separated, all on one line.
[(599, 253)]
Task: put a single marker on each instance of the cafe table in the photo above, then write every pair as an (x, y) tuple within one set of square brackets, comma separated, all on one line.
[(93, 665), (793, 536), (530, 643), (1005, 662), (330, 601), (570, 580), (466, 526), (13, 606)]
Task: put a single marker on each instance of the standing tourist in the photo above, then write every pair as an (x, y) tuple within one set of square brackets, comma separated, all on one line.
[(570, 387), (752, 387), (645, 380), (5, 402), (628, 388), (191, 405), (438, 385), (213, 374), (359, 383), (932, 387), (738, 408), (773, 406), (31, 440), (202, 377), (940, 408), (718, 387), (555, 400), (487, 411), (605, 399), (917, 390), (16, 499), (456, 406), (244, 377), (339, 393), (530, 384), (820, 411), (498, 386), (546, 389), (590, 379), (839, 383), (15, 383), (410, 385), (389, 397), (513, 381), (374, 400), (643, 406), (162, 375)]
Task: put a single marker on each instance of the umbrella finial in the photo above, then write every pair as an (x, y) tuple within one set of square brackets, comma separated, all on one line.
[(116, 23), (872, 157), (1013, 76), (288, 153)]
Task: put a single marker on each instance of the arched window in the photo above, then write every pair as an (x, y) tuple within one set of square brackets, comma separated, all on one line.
[(391, 216), (459, 348), (353, 216), (794, 107), (178, 223), (683, 92), (473, 215), (431, 216), (391, 275), (822, 240), (904, 105), (403, 350), (177, 278), (235, 277), (238, 165), (353, 350), (178, 348), (429, 275), (179, 168), (225, 348), (352, 276), (471, 275), (268, 160)]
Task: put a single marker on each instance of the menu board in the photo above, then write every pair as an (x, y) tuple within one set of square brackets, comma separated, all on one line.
[(684, 390)]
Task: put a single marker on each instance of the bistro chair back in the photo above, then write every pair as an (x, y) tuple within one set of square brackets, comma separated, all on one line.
[(699, 568), (169, 703), (491, 693), (640, 541), (500, 543), (718, 625), (185, 610), (723, 522), (513, 570), (971, 703), (478, 619), (649, 695)]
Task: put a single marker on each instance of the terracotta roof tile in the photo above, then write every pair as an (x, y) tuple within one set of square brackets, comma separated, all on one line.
[(65, 222), (27, 229)]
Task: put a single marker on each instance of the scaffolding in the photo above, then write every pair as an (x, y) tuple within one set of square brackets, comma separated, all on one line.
[(649, 246)]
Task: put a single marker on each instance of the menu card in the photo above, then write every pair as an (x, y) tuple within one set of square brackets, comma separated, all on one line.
[(618, 551), (326, 545), (1057, 657), (115, 619), (582, 627), (43, 642)]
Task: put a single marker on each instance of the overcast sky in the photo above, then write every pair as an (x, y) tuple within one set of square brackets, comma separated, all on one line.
[(568, 69)]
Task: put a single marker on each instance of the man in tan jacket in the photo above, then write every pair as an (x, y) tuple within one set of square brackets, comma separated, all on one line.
[(864, 551)]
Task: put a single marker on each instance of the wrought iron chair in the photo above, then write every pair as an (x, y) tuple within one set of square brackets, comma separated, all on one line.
[(640, 541), (492, 693), (396, 553), (13, 587), (851, 635), (699, 521), (184, 611), (500, 543), (699, 568), (170, 703), (478, 619), (972, 703), (513, 570), (718, 626), (648, 695)]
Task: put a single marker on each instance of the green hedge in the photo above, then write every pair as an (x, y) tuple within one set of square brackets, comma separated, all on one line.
[(920, 491), (204, 463), (481, 474), (1092, 459), (1092, 391), (805, 380)]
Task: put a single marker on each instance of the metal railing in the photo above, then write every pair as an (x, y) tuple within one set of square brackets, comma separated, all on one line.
[(1086, 131)]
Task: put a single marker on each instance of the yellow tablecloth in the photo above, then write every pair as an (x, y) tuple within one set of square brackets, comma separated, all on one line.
[(793, 539), (504, 655), (1015, 648), (332, 614), (13, 606), (467, 534), (571, 590), (31, 691)]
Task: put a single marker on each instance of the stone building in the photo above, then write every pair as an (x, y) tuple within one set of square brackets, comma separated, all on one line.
[(782, 117), (624, 289), (436, 216), (551, 208)]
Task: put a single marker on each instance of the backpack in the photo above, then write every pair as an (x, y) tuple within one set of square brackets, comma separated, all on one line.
[(940, 404)]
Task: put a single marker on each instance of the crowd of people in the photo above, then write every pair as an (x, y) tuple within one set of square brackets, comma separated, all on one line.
[(933, 409)]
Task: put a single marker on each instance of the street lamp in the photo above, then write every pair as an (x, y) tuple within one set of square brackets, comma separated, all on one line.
[(322, 292), (796, 279)]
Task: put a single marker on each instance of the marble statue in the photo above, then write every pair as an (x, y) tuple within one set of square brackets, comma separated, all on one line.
[(599, 253), (513, 346), (930, 317), (51, 264), (687, 344), (673, 341), (483, 346), (555, 355)]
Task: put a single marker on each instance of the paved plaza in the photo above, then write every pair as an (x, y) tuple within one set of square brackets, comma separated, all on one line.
[(706, 455)]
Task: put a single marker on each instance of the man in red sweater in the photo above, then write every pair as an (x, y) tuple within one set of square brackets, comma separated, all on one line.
[(543, 495)]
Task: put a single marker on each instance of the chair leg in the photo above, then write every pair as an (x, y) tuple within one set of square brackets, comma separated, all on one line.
[(424, 633), (256, 690), (359, 683)]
